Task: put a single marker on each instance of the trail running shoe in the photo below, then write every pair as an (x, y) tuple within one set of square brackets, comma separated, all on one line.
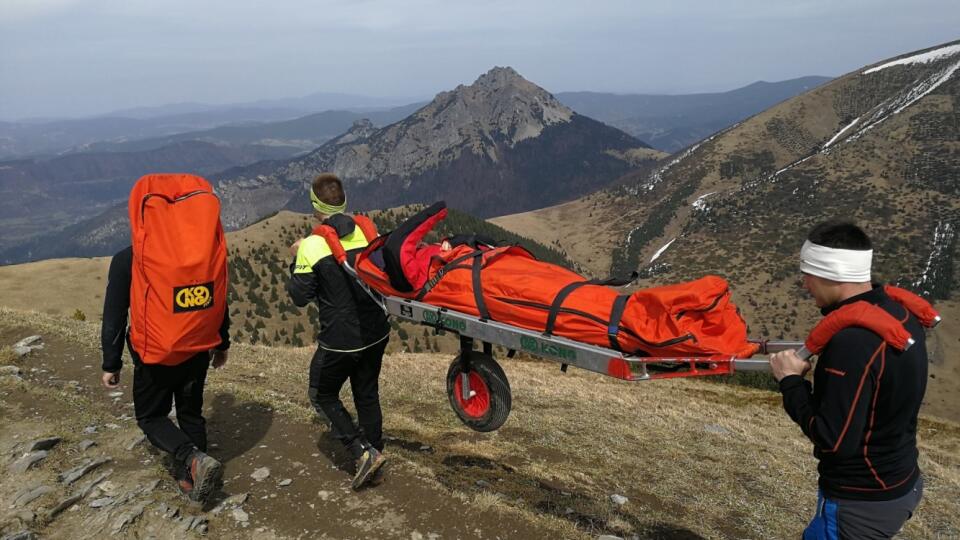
[(185, 485), (377, 478), (367, 465), (203, 473)]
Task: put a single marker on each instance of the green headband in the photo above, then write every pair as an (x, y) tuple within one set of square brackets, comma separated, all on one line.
[(324, 208)]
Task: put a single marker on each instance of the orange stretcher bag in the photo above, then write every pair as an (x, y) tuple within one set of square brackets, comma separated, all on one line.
[(509, 285), (178, 289)]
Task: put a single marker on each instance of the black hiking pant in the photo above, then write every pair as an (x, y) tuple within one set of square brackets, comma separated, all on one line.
[(329, 370), (155, 388)]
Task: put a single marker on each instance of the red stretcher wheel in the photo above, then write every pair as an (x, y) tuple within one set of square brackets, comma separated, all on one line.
[(488, 406)]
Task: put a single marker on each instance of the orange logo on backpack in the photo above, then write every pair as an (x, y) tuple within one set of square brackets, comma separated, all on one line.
[(192, 297)]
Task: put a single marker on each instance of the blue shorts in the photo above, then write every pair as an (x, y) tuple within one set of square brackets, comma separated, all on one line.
[(840, 519)]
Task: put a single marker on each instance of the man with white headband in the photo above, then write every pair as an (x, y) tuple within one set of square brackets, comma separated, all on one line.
[(354, 329), (861, 410)]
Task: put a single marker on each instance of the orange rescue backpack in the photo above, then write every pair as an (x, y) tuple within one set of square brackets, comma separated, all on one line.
[(178, 290)]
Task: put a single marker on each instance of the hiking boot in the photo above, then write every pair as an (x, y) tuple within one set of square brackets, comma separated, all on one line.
[(377, 478), (186, 486), (367, 465), (203, 473)]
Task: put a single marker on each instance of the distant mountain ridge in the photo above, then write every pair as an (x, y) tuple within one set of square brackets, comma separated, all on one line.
[(310, 103), (297, 135), (37, 196), (501, 144), (673, 122), (45, 194), (667, 122), (298, 129)]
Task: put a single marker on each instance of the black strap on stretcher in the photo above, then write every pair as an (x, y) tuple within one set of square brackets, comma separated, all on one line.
[(478, 289), (616, 313), (477, 257), (429, 285), (616, 310)]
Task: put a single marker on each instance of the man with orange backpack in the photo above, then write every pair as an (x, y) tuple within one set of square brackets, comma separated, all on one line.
[(861, 411), (173, 281), (354, 329)]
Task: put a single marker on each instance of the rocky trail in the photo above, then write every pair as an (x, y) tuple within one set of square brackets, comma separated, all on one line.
[(582, 456), (76, 466)]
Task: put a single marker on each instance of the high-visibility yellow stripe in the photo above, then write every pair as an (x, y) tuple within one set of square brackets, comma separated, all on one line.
[(313, 248), (354, 240)]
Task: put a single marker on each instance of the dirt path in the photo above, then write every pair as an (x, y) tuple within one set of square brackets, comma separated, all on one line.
[(56, 396), (581, 456)]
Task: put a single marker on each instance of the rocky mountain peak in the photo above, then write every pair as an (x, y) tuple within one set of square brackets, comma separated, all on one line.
[(362, 126), (500, 105), (499, 77), (499, 144), (361, 129)]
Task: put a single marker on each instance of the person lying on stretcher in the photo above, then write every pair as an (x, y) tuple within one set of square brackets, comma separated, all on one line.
[(507, 284)]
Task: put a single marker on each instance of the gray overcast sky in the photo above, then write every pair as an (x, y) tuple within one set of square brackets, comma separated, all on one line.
[(79, 57)]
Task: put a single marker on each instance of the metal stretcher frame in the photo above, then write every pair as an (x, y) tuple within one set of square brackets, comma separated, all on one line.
[(569, 352), (478, 389)]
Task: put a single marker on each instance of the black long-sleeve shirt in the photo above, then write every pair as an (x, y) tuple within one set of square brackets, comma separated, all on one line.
[(861, 411), (116, 304)]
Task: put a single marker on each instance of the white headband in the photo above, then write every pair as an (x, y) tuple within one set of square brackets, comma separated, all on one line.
[(845, 265)]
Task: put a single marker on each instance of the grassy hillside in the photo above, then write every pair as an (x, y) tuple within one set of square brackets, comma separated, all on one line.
[(694, 459), (587, 229), (259, 266), (878, 146)]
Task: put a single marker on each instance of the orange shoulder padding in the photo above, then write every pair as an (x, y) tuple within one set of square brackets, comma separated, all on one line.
[(864, 315), (366, 225), (329, 235), (920, 308)]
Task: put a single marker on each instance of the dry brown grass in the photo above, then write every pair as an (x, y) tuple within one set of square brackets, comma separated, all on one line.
[(587, 229), (636, 156), (7, 356), (40, 286), (755, 242), (573, 440)]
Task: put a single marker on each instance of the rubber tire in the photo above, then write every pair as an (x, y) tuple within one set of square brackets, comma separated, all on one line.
[(497, 386)]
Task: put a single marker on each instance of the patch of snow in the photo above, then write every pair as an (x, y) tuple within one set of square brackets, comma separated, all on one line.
[(661, 250), (841, 132), (657, 175), (699, 204), (891, 107), (860, 125), (942, 236), (919, 91), (922, 58), (788, 167), (904, 100)]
